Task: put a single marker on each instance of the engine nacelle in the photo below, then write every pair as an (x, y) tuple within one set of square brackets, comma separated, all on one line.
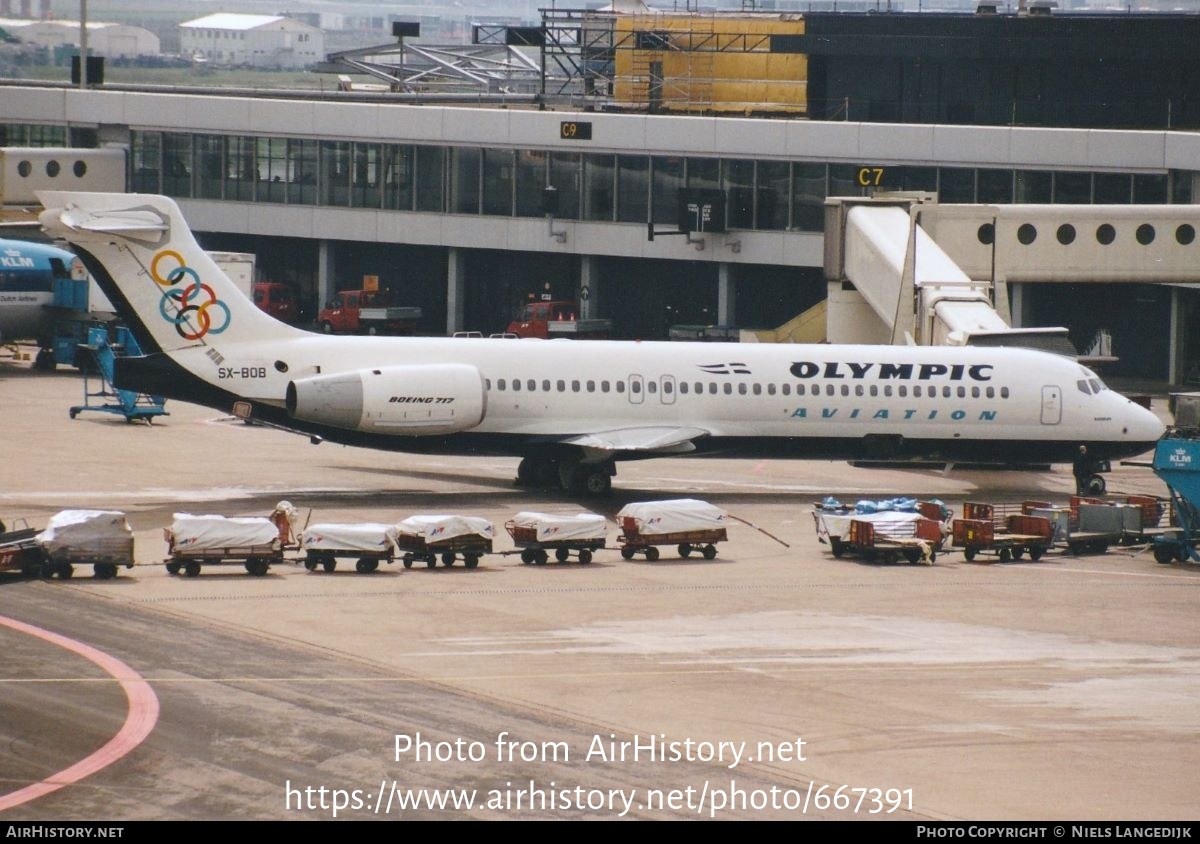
[(413, 400)]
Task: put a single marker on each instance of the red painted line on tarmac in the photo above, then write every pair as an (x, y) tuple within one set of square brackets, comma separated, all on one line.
[(140, 720)]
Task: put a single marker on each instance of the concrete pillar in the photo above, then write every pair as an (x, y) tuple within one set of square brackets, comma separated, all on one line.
[(1174, 348), (589, 291), (456, 289), (1017, 291), (326, 272), (726, 295)]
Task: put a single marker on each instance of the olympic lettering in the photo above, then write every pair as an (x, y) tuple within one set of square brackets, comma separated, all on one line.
[(186, 297)]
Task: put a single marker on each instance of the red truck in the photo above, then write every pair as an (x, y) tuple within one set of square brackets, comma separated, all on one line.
[(367, 312), (557, 318), (277, 299)]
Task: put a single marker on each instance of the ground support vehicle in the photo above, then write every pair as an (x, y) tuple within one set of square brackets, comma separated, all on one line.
[(367, 312), (1177, 462), (552, 318), (538, 534), (99, 538), (253, 542), (687, 523), (429, 538), (369, 544), (1008, 531), (894, 529), (132, 405), (20, 550)]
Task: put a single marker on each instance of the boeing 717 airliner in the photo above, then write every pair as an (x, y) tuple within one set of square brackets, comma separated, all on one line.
[(572, 408)]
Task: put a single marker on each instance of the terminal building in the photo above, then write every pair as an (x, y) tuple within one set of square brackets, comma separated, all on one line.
[(467, 205)]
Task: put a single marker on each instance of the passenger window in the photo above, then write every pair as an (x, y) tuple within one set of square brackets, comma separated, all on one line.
[(728, 389), (516, 384), (829, 389), (962, 392), (574, 386), (545, 385), (1004, 392), (887, 390), (858, 389), (712, 388), (683, 387), (604, 385), (991, 392), (874, 390), (487, 383), (591, 386), (668, 387), (916, 391), (562, 386), (620, 386), (651, 387), (974, 392), (500, 384), (786, 389), (758, 389), (699, 388), (634, 386), (845, 389), (770, 389), (945, 392), (531, 385), (741, 389), (903, 391)]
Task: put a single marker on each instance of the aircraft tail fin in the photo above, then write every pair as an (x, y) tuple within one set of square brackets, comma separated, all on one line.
[(141, 252)]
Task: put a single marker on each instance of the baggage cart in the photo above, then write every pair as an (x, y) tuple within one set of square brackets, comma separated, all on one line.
[(430, 538), (20, 550), (687, 523), (1009, 531), (99, 538), (890, 536), (537, 534), (253, 542), (369, 544)]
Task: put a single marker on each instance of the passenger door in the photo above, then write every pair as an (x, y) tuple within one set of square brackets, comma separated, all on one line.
[(1051, 405)]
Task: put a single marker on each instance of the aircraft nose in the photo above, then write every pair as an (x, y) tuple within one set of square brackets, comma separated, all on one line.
[(1142, 425)]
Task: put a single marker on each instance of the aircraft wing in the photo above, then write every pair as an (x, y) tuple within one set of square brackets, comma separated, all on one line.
[(650, 440)]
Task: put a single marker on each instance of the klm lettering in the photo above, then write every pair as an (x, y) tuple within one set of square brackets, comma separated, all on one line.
[(893, 371)]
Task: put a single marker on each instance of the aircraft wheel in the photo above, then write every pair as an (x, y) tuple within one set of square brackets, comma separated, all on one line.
[(684, 550), (710, 552), (1096, 485), (597, 482), (562, 554), (627, 552), (585, 556), (652, 553)]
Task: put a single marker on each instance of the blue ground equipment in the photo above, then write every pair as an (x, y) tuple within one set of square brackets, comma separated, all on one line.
[(133, 406), (1177, 462)]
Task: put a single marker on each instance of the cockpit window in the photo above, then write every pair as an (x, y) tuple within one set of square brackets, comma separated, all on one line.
[(1083, 386), (1097, 384)]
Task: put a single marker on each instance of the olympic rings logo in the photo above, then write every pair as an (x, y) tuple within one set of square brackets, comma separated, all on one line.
[(186, 297)]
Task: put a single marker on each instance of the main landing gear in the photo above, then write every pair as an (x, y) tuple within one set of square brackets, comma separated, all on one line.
[(590, 479)]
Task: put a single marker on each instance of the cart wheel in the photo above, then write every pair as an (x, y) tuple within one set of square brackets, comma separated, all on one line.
[(104, 571), (710, 552), (969, 553), (329, 564), (74, 412), (652, 553), (64, 571), (448, 558), (408, 561), (627, 552), (585, 556), (527, 556), (685, 550), (191, 569), (172, 568), (431, 561), (1035, 552), (366, 565), (471, 560), (836, 546), (257, 566), (1005, 555), (912, 555), (540, 557), (1018, 552)]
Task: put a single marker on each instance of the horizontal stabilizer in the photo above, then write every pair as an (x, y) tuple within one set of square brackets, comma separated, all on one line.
[(658, 440)]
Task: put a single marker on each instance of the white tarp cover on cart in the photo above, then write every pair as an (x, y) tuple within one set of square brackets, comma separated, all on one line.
[(553, 527), (87, 529), (674, 516), (439, 528), (366, 536), (888, 523), (195, 533)]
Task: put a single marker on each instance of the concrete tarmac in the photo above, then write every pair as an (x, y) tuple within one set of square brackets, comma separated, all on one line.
[(1058, 690)]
